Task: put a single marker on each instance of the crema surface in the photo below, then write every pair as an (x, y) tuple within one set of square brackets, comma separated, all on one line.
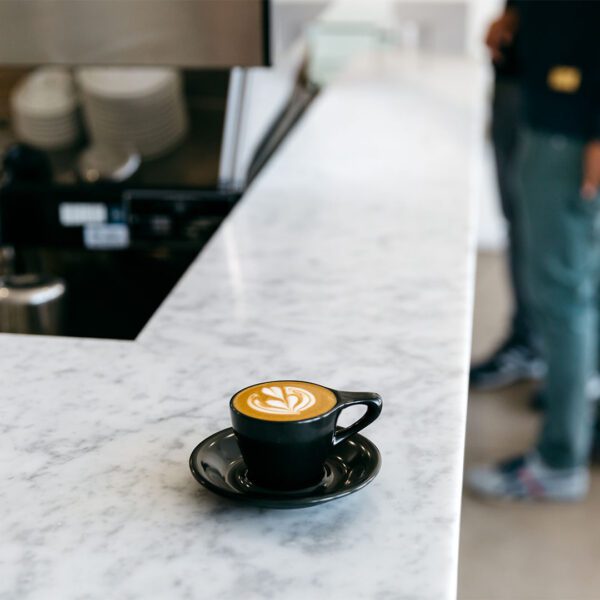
[(284, 401)]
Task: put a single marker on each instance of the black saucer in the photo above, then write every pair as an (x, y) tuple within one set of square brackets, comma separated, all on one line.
[(218, 465)]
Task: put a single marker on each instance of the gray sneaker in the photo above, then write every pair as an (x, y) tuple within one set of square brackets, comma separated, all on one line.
[(529, 478), (511, 363)]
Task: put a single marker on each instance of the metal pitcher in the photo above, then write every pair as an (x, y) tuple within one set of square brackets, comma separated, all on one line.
[(31, 303)]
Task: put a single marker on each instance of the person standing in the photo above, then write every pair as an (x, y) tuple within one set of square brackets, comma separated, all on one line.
[(517, 358), (558, 171)]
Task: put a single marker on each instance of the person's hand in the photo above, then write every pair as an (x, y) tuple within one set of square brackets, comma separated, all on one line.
[(501, 33), (590, 185)]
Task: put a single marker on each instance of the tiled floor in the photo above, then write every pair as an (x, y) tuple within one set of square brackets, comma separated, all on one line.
[(518, 551)]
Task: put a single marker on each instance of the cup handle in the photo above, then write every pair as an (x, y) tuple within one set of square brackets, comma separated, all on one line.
[(346, 399)]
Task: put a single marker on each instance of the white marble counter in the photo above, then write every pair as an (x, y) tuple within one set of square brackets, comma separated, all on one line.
[(349, 262)]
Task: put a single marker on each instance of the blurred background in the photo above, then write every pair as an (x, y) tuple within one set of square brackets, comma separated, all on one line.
[(181, 106), (118, 164)]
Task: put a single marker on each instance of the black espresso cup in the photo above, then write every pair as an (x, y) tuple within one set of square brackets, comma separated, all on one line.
[(286, 429)]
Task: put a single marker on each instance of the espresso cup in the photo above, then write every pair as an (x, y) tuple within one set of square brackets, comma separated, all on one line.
[(286, 429)]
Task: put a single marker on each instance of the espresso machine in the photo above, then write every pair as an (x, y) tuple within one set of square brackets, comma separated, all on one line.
[(118, 245)]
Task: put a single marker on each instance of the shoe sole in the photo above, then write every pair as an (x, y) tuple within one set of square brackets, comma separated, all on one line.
[(508, 499)]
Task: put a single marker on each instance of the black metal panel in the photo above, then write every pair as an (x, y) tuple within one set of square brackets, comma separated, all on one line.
[(29, 213)]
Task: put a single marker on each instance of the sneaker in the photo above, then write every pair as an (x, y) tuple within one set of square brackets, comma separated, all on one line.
[(511, 363), (529, 478)]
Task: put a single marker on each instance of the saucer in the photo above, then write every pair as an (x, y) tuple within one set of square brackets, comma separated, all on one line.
[(218, 465)]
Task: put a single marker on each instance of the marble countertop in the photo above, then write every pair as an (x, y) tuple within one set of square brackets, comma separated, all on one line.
[(349, 262)]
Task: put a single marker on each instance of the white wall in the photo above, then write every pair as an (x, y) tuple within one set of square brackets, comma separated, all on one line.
[(491, 234)]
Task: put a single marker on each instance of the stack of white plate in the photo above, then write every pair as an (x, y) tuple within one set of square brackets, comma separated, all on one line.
[(44, 109), (141, 108)]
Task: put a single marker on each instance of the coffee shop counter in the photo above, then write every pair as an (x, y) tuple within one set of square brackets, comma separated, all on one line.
[(349, 263)]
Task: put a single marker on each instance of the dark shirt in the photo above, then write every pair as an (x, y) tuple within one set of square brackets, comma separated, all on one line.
[(559, 56), (508, 67)]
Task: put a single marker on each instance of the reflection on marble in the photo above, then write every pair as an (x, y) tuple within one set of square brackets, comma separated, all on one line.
[(348, 263)]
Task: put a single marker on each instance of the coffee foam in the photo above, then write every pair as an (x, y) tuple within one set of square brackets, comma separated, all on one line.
[(284, 401)]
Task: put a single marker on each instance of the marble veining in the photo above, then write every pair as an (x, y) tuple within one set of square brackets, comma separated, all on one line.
[(349, 263)]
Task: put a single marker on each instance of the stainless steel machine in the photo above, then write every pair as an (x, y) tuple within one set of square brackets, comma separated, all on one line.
[(131, 240), (188, 33)]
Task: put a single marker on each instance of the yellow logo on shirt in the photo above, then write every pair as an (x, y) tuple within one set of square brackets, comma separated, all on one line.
[(566, 80)]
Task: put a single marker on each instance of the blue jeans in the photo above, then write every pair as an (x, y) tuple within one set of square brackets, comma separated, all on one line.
[(561, 269), (506, 114)]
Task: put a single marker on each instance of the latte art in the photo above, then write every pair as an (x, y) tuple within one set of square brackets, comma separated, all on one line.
[(284, 401)]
